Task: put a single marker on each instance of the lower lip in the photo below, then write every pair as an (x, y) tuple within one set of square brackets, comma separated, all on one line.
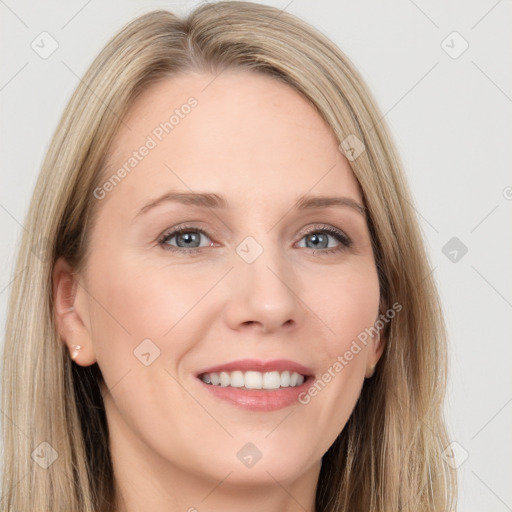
[(259, 399)]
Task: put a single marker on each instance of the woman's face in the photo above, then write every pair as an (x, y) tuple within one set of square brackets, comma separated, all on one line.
[(253, 276)]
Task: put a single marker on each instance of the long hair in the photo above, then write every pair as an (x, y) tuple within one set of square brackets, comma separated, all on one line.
[(55, 435)]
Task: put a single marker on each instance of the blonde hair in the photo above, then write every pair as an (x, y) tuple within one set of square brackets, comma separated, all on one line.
[(388, 456)]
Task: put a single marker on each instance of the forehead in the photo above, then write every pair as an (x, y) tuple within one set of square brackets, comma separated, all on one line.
[(240, 133)]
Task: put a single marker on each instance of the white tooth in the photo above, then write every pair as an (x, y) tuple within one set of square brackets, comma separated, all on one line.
[(253, 380), (237, 379), (224, 379), (271, 380), (285, 379)]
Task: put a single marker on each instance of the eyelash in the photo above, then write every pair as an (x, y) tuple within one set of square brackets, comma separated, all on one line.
[(325, 229)]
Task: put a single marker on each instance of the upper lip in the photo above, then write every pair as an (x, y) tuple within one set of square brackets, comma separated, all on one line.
[(279, 365)]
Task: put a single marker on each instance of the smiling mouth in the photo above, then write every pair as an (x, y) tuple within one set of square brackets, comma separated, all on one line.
[(254, 379)]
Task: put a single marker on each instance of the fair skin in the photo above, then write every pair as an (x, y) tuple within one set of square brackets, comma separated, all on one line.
[(259, 144)]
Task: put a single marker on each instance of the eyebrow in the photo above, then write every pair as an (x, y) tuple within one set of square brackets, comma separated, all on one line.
[(215, 201)]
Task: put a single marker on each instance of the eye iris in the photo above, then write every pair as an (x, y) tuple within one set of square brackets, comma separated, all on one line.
[(187, 238), (318, 237)]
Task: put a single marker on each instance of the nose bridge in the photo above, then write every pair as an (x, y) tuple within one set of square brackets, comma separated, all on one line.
[(265, 281)]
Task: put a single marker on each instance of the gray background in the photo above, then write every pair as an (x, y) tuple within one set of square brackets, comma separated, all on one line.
[(450, 117)]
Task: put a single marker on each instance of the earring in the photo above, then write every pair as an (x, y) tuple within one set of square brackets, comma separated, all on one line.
[(75, 352)]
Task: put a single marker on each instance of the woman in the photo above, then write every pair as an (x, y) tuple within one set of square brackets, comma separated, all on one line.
[(224, 302)]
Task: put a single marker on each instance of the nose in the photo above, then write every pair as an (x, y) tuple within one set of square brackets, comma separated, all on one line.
[(263, 295)]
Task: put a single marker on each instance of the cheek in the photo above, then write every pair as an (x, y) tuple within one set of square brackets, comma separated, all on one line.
[(144, 312), (350, 311), (144, 301), (350, 304)]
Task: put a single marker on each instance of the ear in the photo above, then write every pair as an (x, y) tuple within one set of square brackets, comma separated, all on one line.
[(71, 315), (375, 348), (375, 351)]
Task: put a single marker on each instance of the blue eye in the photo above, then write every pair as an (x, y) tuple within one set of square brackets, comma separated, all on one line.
[(188, 240), (187, 236), (320, 235)]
